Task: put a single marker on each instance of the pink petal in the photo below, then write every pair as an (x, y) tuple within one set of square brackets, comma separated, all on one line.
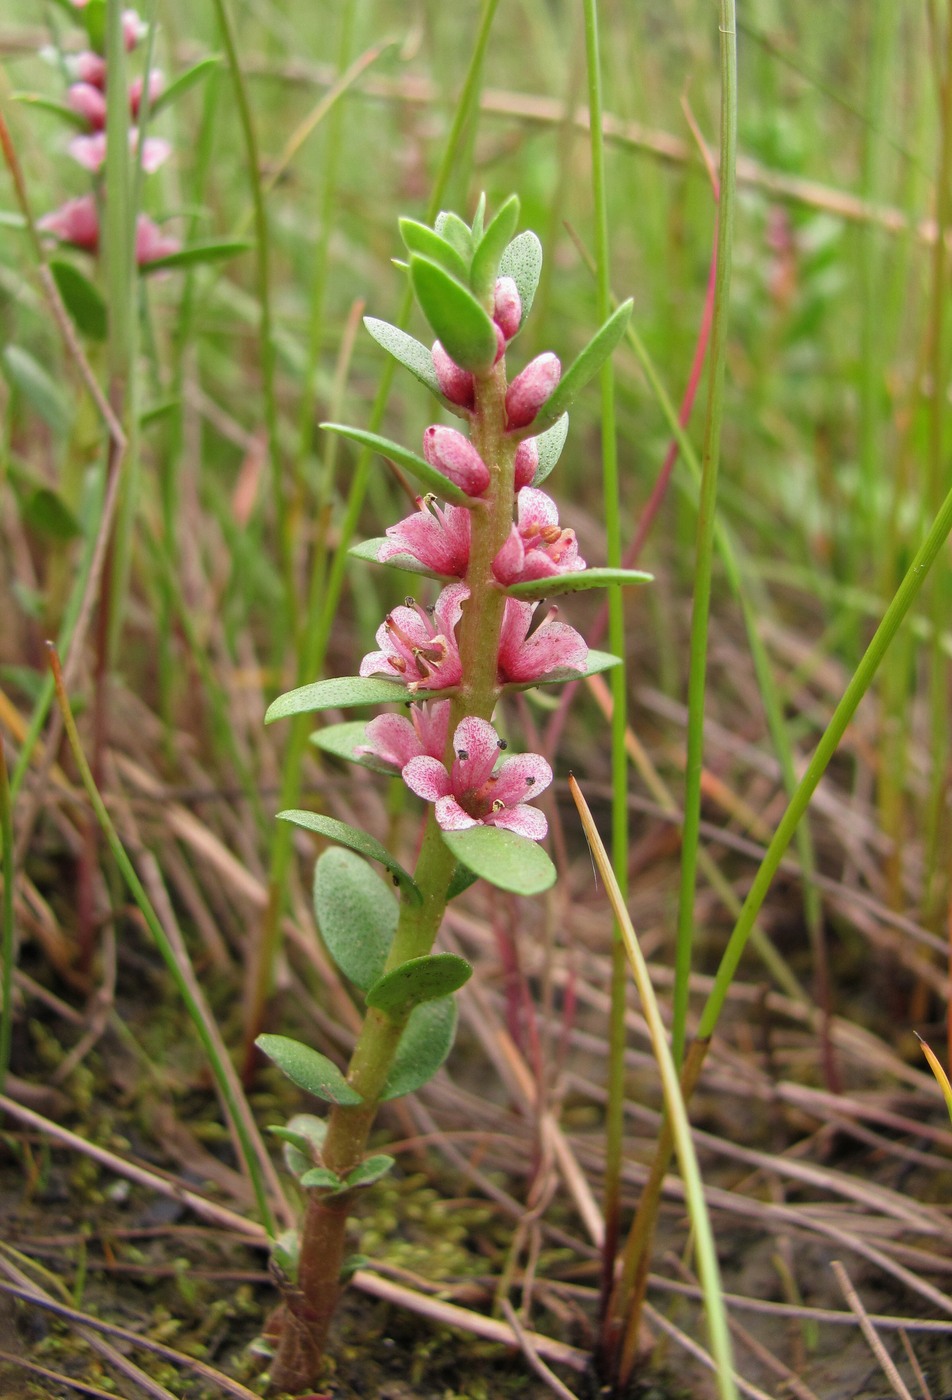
[(509, 563), (536, 508), (476, 746), (521, 779), (451, 817), (552, 646), (523, 820), (427, 778), (393, 739), (89, 151)]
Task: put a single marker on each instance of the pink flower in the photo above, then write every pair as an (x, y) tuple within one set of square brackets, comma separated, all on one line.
[(553, 646), (90, 102), (419, 647), (437, 536), (76, 222), (472, 794), (396, 740), (152, 243), (527, 462), (537, 547), (507, 306), (137, 86), (90, 151), (89, 67), (133, 29), (456, 457), (456, 383), (530, 389)]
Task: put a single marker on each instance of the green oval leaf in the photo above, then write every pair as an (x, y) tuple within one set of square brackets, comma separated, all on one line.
[(522, 261), (587, 364), (195, 253), (410, 353), (356, 840), (506, 860), (451, 227), (418, 238), (338, 693), (424, 1045), (29, 378), (322, 1177), (186, 80), (461, 881), (303, 1140), (550, 444), (492, 245), (48, 514), (465, 330), (308, 1069), (83, 300), (419, 980), (356, 913), (368, 550), (432, 479), (341, 741), (578, 582), (371, 1169)]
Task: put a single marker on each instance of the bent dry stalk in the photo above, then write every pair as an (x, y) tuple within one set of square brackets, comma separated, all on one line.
[(492, 539)]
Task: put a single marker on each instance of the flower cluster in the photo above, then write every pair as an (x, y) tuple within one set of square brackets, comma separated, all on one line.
[(78, 221), (420, 646)]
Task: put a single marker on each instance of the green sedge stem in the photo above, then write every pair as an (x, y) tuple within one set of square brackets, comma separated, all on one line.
[(7, 946), (697, 682)]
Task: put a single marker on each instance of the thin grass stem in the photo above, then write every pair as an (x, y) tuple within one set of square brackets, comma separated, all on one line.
[(8, 932)]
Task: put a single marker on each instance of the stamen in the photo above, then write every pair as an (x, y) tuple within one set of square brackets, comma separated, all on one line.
[(502, 744), (499, 805), (462, 755)]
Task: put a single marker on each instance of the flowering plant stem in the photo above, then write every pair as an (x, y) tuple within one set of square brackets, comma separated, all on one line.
[(309, 1307)]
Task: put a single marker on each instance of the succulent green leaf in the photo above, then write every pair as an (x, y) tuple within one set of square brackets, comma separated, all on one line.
[(492, 245), (322, 1177), (407, 351), (522, 261), (48, 514), (368, 1171), (356, 914), (576, 583), (286, 1253), (58, 109), (461, 881), (550, 444), (340, 692), (424, 1045), (368, 551), (303, 1139), (479, 219), (428, 476), (418, 238), (597, 661), (465, 330), (356, 840), (451, 227), (34, 383), (84, 301), (419, 980), (342, 741), (196, 74), (215, 250), (509, 861), (308, 1069), (587, 364)]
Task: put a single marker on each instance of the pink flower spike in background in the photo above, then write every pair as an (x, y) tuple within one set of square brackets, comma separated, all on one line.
[(419, 648), (436, 536), (75, 222), (151, 242), (89, 101), (554, 646), (396, 740), (474, 792), (90, 151), (537, 547)]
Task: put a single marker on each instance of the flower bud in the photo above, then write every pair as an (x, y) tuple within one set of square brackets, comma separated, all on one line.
[(456, 457), (507, 306), (75, 222), (500, 344), (134, 29), (456, 383), (527, 462), (530, 389), (90, 102), (89, 67), (136, 88)]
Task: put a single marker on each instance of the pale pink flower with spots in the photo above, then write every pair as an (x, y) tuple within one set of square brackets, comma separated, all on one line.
[(418, 646), (476, 793), (436, 536), (531, 656), (537, 546), (395, 739)]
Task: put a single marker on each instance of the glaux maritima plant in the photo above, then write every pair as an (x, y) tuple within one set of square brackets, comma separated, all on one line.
[(491, 538)]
